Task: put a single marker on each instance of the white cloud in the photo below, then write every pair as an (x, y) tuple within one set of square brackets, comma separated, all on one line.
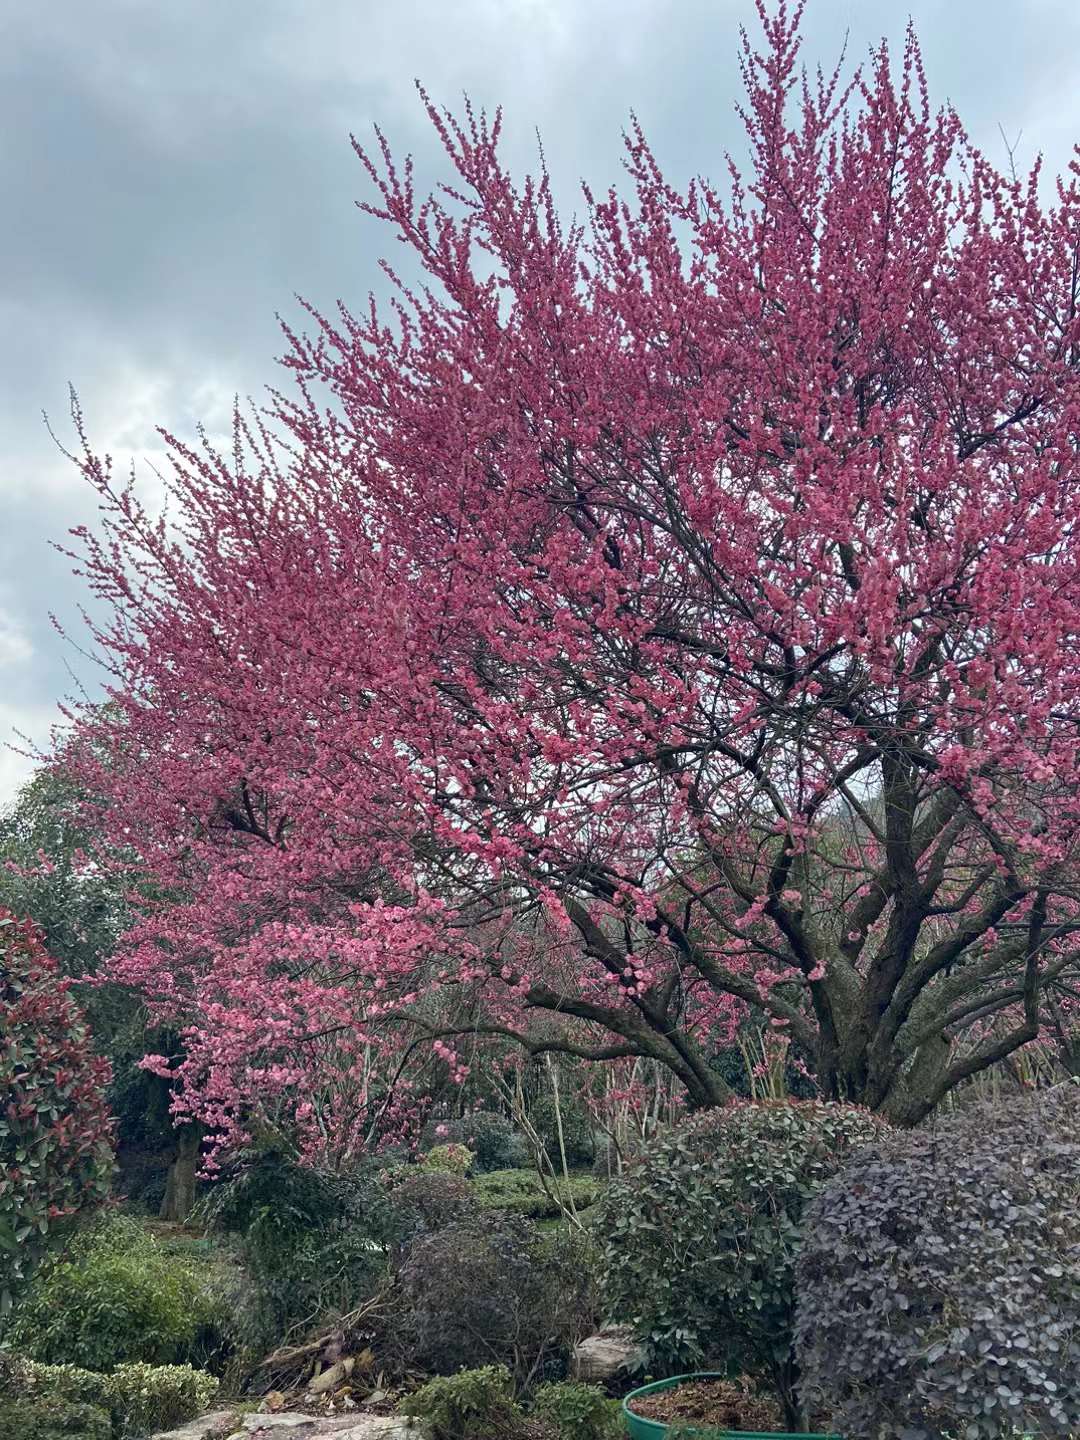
[(15, 646)]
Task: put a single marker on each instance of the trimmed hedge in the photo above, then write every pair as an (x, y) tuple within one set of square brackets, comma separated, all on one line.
[(521, 1192)]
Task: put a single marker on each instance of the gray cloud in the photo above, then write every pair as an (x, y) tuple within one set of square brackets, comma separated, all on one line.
[(172, 174)]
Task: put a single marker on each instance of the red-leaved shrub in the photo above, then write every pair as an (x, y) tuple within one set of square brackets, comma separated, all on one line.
[(55, 1127)]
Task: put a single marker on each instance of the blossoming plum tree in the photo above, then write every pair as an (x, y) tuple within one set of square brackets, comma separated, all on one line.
[(634, 623)]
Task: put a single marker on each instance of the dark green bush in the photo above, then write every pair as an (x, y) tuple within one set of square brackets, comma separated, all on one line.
[(698, 1238), (493, 1140), (494, 1288), (577, 1412), (940, 1278), (310, 1244), (579, 1141), (472, 1405), (521, 1192), (115, 1296), (422, 1201)]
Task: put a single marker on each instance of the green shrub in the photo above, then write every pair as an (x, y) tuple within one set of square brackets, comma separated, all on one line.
[(494, 1288), (472, 1405), (115, 1296), (521, 1192), (940, 1278), (454, 1159), (55, 1131), (698, 1239), (135, 1398), (51, 1417), (311, 1244), (144, 1398), (576, 1411), (493, 1140)]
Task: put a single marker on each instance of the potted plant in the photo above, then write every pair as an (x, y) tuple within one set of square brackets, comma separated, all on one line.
[(706, 1404)]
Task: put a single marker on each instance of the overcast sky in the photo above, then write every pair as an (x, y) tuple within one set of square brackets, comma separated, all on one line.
[(172, 174)]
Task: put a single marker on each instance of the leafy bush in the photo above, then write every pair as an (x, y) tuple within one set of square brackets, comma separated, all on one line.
[(940, 1278), (495, 1289), (51, 1417), (522, 1192), (55, 1130), (576, 1411), (454, 1159), (491, 1137), (134, 1398), (426, 1201), (115, 1296), (472, 1405), (698, 1239), (310, 1243)]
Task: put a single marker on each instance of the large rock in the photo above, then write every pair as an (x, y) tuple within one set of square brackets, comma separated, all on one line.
[(212, 1424), (603, 1357), (292, 1425)]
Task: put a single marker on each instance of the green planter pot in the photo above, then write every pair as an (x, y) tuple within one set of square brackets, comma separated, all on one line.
[(639, 1428)]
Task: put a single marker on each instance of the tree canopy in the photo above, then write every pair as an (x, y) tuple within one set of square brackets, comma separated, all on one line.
[(638, 621)]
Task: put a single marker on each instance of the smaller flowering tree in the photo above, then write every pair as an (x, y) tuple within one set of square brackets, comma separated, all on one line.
[(55, 1128)]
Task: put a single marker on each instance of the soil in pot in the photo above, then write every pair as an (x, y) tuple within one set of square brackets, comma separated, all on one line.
[(718, 1404)]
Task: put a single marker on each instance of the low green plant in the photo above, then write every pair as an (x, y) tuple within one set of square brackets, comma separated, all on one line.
[(576, 1411), (522, 1192), (144, 1398), (115, 1296), (136, 1399), (51, 1417), (471, 1405), (455, 1159)]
